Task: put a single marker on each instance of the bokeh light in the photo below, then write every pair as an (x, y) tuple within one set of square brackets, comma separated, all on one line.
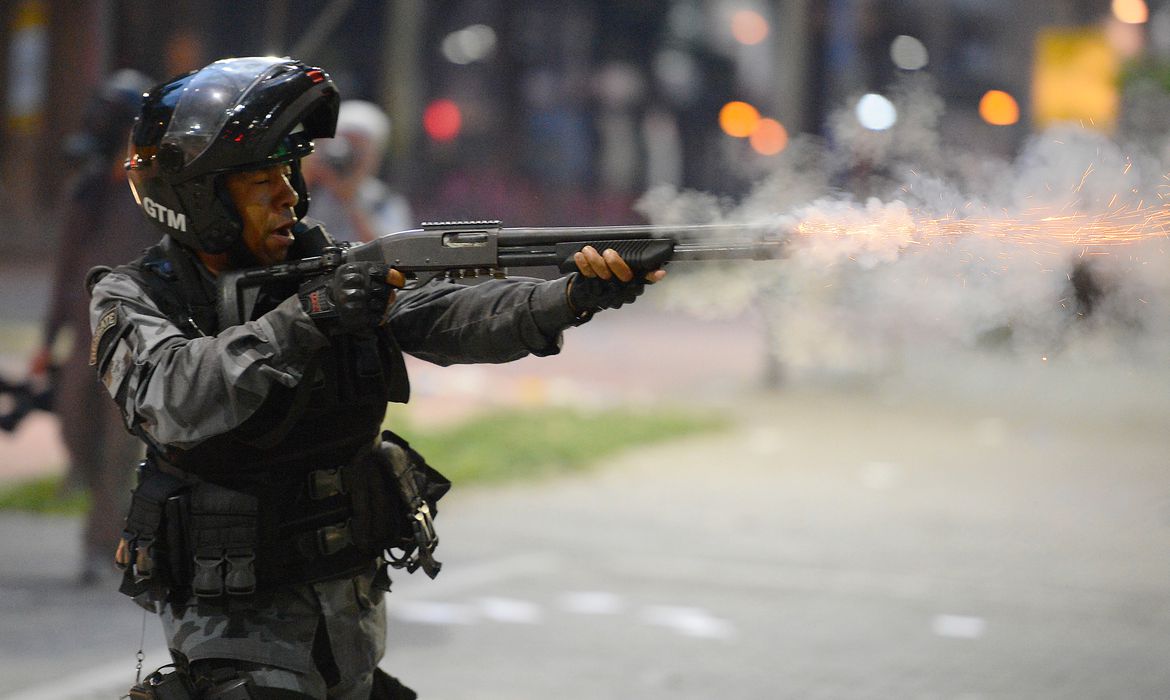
[(876, 113), (470, 44), (999, 108), (769, 138), (909, 53), (739, 119), (749, 27), (1076, 78), (1131, 11), (442, 120)]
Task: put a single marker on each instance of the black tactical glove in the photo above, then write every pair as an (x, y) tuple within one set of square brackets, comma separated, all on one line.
[(588, 295), (353, 298)]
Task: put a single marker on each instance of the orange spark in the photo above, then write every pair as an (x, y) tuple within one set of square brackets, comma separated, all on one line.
[(1123, 225)]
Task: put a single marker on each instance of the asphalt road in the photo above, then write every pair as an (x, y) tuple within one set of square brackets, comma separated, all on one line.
[(867, 545)]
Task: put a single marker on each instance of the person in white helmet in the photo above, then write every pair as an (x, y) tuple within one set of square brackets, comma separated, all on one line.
[(343, 175)]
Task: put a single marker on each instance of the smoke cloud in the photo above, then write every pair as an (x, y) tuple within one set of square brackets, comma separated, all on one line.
[(902, 251)]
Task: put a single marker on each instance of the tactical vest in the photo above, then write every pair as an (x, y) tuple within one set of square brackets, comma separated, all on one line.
[(272, 501)]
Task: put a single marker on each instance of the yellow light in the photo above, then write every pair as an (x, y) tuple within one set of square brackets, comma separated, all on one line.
[(30, 14), (749, 27), (739, 119), (999, 108), (1131, 11), (1075, 78), (769, 138)]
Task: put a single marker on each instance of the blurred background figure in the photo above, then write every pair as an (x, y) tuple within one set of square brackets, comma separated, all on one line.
[(343, 177), (100, 224)]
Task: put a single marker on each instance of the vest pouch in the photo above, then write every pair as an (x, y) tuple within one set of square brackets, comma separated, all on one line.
[(146, 537), (429, 484), (223, 538), (394, 493), (377, 521)]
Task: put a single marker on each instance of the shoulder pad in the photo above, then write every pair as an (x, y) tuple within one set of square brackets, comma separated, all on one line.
[(94, 276)]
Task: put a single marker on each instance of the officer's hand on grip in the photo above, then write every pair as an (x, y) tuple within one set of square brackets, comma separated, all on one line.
[(605, 281), (353, 298)]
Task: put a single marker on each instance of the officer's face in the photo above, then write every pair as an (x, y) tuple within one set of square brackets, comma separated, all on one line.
[(265, 200)]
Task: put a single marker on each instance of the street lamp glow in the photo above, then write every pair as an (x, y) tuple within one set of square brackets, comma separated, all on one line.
[(998, 108), (769, 138), (442, 120), (1131, 11), (739, 119), (876, 113), (470, 44), (749, 27)]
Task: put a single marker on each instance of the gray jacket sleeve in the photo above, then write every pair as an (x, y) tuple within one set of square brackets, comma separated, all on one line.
[(183, 390), (496, 321)]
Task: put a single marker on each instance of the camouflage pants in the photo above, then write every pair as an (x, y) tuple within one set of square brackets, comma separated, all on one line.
[(276, 641)]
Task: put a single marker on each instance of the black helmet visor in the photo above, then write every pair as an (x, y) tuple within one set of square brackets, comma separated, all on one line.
[(209, 99)]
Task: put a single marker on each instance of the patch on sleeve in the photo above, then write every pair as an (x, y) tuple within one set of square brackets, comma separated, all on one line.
[(117, 367), (104, 324)]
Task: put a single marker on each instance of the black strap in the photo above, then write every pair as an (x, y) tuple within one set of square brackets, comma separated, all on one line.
[(199, 300), (144, 524), (168, 275)]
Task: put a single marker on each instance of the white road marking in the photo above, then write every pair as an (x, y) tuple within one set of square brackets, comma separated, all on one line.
[(692, 622), (591, 603), (958, 626), (511, 610), (423, 612)]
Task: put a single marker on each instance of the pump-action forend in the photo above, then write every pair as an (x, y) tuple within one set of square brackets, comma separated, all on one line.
[(463, 249)]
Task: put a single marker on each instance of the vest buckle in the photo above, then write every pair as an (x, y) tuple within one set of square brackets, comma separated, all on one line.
[(331, 539), (241, 572), (324, 483), (208, 581)]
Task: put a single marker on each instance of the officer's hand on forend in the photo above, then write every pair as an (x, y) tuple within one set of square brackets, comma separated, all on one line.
[(605, 281), (354, 297)]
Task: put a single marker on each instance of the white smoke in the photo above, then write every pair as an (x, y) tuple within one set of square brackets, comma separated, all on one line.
[(870, 292)]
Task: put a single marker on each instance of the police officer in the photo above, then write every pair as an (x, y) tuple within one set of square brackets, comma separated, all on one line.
[(269, 506)]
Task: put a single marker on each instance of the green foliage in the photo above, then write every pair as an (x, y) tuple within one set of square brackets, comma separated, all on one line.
[(45, 495), (1146, 70), (491, 447), (523, 444)]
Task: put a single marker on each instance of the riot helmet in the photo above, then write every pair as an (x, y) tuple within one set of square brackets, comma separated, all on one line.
[(234, 115)]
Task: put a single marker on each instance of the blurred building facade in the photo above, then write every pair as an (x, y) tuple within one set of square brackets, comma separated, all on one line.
[(529, 111)]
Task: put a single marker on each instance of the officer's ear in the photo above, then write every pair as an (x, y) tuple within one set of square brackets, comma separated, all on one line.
[(231, 219)]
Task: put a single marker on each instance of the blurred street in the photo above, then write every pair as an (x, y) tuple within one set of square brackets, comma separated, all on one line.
[(867, 544)]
